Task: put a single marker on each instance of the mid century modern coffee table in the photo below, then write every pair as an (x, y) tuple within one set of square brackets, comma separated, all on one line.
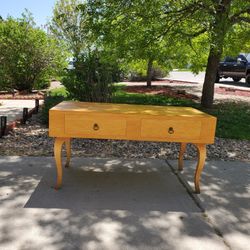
[(131, 122)]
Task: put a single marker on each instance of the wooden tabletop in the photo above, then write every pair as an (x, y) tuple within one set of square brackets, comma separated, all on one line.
[(128, 109)]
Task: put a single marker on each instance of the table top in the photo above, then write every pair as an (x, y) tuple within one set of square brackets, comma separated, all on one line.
[(128, 109)]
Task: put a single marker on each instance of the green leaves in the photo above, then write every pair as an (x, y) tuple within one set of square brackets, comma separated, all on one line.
[(91, 80), (70, 22), (27, 53)]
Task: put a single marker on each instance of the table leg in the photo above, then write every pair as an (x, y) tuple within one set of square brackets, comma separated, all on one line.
[(68, 150), (58, 153), (201, 161), (182, 151)]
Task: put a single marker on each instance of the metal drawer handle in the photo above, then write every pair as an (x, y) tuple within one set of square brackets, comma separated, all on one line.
[(96, 127), (171, 130)]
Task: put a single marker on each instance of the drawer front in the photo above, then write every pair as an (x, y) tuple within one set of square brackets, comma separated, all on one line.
[(94, 126), (170, 129)]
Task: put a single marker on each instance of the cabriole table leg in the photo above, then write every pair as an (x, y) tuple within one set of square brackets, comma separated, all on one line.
[(68, 150), (182, 151), (201, 161), (58, 153)]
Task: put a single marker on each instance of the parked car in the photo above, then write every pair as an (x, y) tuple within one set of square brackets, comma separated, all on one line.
[(235, 67)]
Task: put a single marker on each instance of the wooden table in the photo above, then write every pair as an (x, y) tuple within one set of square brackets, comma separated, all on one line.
[(131, 122)]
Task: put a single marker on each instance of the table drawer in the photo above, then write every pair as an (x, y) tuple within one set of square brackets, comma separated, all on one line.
[(93, 126), (170, 129)]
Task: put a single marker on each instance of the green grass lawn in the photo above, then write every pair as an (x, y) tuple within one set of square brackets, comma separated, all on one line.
[(120, 96), (233, 119)]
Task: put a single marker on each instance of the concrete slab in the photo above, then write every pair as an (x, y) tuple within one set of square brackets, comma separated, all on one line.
[(225, 195), (104, 204)]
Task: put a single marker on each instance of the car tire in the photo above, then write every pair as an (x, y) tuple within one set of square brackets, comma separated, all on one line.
[(217, 79), (248, 79), (236, 79)]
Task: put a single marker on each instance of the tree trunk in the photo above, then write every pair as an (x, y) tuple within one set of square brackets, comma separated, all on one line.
[(218, 31), (210, 76), (149, 72)]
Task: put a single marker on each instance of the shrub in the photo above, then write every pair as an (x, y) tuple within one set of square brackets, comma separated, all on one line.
[(42, 83), (91, 80), (27, 54), (50, 102)]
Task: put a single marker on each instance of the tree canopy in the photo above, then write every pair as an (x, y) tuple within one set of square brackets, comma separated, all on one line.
[(171, 33), (221, 21), (138, 30), (70, 23)]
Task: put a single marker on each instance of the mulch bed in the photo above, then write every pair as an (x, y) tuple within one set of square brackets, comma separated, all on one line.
[(160, 82), (232, 91), (161, 91), (21, 96)]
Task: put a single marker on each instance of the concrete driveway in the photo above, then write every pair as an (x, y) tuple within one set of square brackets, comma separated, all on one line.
[(104, 204)]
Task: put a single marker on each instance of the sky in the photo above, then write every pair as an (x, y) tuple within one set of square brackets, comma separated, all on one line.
[(41, 9)]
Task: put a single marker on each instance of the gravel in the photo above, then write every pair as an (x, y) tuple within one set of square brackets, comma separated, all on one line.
[(32, 140)]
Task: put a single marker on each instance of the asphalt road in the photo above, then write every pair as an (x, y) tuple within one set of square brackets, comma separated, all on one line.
[(186, 76), (199, 78)]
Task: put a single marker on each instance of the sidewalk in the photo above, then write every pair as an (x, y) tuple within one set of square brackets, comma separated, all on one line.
[(225, 196), (120, 204)]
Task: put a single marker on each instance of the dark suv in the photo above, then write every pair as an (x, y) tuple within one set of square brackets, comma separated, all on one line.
[(235, 67)]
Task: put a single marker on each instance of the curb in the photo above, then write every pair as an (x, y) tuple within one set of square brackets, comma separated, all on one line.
[(182, 81)]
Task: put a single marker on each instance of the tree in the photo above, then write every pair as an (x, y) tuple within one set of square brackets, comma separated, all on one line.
[(218, 20), (162, 31), (27, 54), (94, 69), (226, 14), (137, 31), (70, 24)]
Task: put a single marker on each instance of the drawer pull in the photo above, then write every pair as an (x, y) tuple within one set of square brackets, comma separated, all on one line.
[(96, 127), (171, 130)]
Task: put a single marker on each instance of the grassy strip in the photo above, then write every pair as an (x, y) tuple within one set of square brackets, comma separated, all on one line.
[(233, 120), (120, 96)]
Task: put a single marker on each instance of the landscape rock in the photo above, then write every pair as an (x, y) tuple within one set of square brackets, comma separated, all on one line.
[(32, 140)]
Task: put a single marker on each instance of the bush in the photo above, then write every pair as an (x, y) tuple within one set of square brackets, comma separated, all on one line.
[(50, 102), (42, 83), (91, 80), (27, 54)]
